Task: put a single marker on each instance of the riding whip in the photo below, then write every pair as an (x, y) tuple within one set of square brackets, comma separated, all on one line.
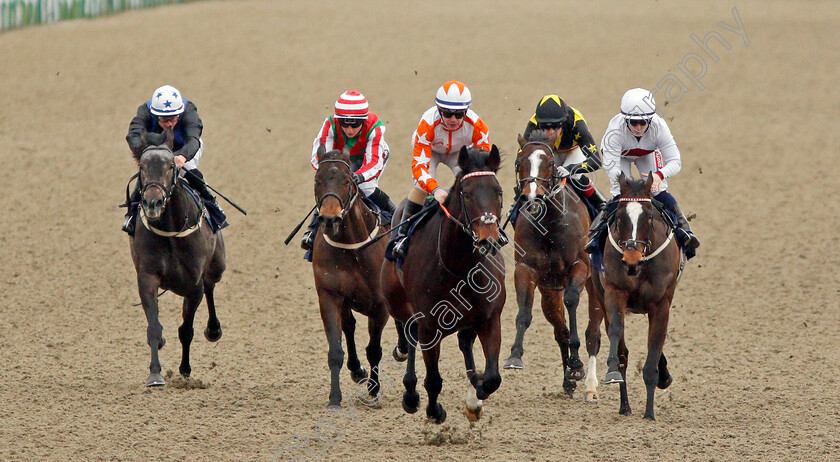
[(399, 225), (201, 180), (297, 228)]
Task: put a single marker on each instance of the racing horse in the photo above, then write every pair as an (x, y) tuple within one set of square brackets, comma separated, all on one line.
[(452, 280), (550, 235), (175, 249), (642, 266), (347, 277)]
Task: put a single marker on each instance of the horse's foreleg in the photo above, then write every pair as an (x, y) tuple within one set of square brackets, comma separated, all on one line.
[(657, 329), (376, 324), (593, 343), (213, 331), (335, 356), (348, 325), (400, 352), (433, 382), (466, 339), (411, 399), (553, 310), (616, 303), (490, 337), (524, 282), (148, 287), (185, 331), (571, 299)]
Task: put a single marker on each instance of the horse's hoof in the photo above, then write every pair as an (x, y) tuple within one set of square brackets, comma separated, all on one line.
[(334, 407), (213, 335), (441, 415), (473, 415), (569, 388), (185, 371), (155, 380), (613, 377), (575, 374), (411, 403), (590, 397), (398, 355), (625, 410), (650, 417), (664, 382), (359, 375), (514, 363)]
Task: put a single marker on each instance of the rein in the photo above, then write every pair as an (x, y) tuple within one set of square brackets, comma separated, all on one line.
[(632, 242)]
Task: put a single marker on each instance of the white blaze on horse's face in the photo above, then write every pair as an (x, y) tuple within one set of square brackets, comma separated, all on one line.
[(634, 211), (535, 159)]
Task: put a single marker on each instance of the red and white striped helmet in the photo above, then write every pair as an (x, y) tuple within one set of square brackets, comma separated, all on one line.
[(453, 95), (351, 105)]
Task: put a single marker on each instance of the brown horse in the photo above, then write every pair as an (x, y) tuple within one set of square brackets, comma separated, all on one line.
[(550, 236), (175, 249), (642, 265), (347, 278), (453, 281)]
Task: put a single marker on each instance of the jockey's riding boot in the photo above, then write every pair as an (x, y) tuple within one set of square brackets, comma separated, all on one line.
[(196, 179), (382, 201), (309, 234), (400, 242), (131, 211), (684, 234), (596, 199), (595, 232)]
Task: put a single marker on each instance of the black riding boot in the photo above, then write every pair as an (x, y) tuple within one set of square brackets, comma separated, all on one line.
[(382, 201), (131, 210), (599, 224), (686, 237), (309, 235), (596, 199), (400, 242), (196, 179)]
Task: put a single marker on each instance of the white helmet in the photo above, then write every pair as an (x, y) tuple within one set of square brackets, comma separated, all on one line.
[(166, 101), (453, 95), (638, 103)]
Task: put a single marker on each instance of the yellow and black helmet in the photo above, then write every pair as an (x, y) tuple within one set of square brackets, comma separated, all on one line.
[(552, 111)]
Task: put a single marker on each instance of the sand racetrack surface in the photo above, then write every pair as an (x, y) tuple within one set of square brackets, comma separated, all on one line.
[(752, 341)]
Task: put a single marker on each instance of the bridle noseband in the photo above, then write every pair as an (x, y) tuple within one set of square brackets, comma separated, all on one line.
[(486, 217), (352, 195)]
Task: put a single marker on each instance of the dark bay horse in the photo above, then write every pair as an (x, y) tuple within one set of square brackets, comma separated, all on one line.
[(452, 280), (550, 236), (346, 278), (641, 269), (174, 249)]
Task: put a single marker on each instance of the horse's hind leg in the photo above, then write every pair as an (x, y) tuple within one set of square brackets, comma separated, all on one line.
[(553, 309), (593, 344), (348, 325), (400, 352), (148, 287), (524, 283), (185, 331), (411, 399), (433, 382), (665, 378)]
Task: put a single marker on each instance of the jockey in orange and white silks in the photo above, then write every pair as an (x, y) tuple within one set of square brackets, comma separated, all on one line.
[(443, 130), (638, 136), (352, 125)]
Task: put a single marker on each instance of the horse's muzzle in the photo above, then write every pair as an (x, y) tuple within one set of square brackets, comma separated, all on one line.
[(153, 207), (330, 222), (632, 261)]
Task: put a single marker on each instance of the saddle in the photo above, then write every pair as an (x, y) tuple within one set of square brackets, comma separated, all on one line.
[(422, 218)]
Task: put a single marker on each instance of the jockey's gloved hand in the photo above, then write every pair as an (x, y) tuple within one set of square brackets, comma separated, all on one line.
[(358, 178), (562, 171)]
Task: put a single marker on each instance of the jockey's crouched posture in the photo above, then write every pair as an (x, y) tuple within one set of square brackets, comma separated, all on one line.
[(639, 136), (575, 148), (168, 109), (354, 126)]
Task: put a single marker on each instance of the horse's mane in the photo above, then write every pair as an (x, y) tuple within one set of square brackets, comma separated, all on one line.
[(538, 135), (335, 154), (638, 188)]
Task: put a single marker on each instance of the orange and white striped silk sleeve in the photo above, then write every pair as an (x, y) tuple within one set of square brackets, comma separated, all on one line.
[(422, 155), (481, 134)]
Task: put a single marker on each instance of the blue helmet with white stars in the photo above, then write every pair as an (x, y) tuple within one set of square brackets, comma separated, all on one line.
[(167, 101)]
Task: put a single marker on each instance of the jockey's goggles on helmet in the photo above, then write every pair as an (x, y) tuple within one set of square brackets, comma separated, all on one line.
[(549, 125), (639, 122), (351, 123), (446, 113)]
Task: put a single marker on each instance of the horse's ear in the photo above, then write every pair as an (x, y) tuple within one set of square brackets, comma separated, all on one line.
[(495, 159), (622, 184), (649, 182), (170, 137), (345, 151), (521, 140), (154, 139), (321, 151), (463, 158)]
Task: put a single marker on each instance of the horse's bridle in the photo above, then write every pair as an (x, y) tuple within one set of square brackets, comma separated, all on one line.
[(551, 181), (167, 192), (634, 244), (486, 218), (352, 195)]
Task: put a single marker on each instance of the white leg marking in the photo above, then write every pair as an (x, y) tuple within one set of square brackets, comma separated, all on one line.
[(591, 381)]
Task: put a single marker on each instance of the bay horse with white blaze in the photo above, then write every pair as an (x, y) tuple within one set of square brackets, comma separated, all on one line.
[(642, 265), (550, 237), (175, 249), (347, 277), (452, 280)]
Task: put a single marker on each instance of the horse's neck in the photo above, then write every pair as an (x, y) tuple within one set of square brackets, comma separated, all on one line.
[(180, 210), (452, 239)]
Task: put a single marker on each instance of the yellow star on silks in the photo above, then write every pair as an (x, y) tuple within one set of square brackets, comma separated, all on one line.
[(577, 136), (424, 177), (422, 159)]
